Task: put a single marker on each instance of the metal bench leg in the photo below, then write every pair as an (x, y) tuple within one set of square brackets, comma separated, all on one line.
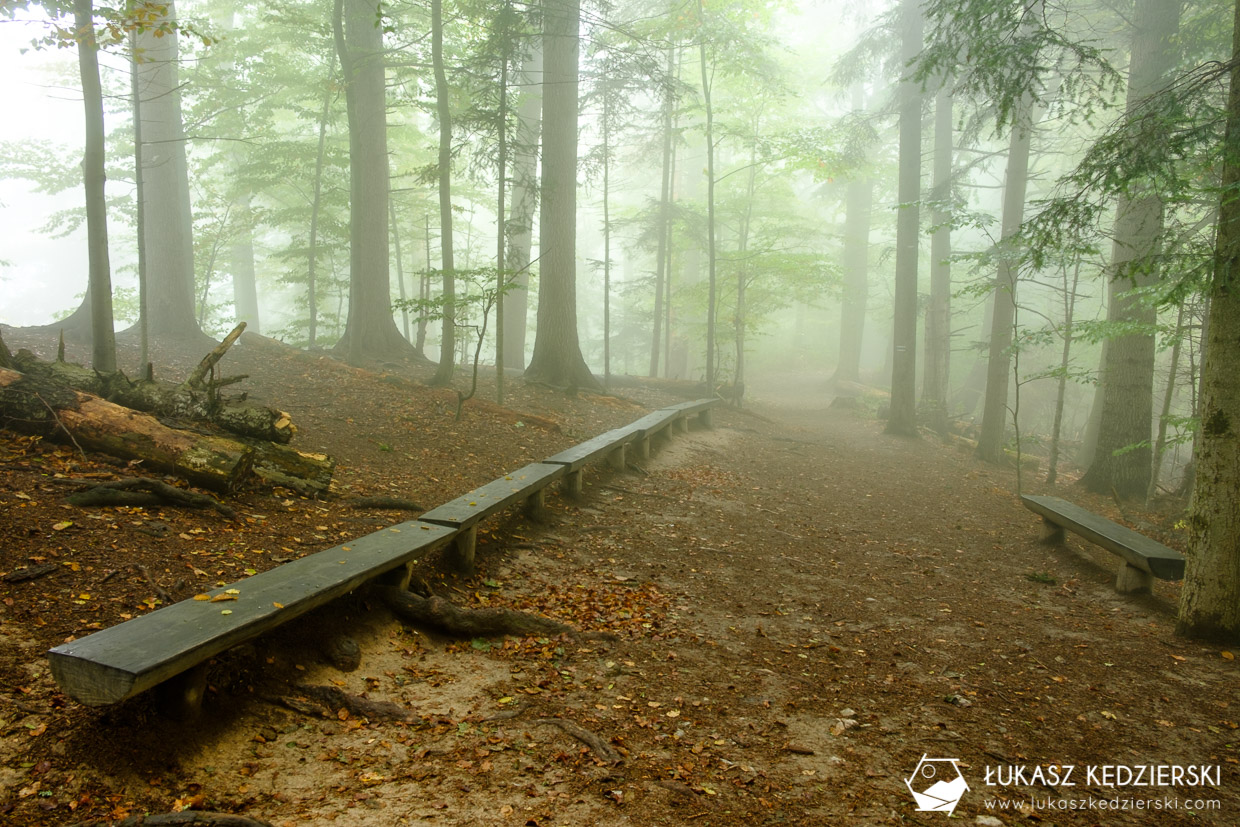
[(572, 484), (536, 506), (1132, 580), (463, 550), (618, 458)]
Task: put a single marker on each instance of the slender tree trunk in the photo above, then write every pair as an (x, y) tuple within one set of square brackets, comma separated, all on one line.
[(501, 276), (606, 240), (669, 271), (103, 340), (710, 206), (557, 358), (855, 257), (1069, 299), (903, 417), (938, 313), (1210, 597), (316, 203), (999, 362), (524, 205), (139, 186), (241, 267), (169, 223), (1160, 442), (400, 268), (370, 332), (665, 194), (1122, 460), (424, 289), (443, 110)]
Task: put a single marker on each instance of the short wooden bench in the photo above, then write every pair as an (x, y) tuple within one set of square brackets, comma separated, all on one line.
[(131, 657), (645, 429), (612, 445), (1143, 558), (526, 485)]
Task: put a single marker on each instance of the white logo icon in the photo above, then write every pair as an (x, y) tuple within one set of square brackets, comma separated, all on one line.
[(936, 784)]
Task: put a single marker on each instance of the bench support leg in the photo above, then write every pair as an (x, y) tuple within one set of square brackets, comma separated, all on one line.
[(643, 447), (1052, 534), (681, 425), (618, 459), (180, 697), (400, 577), (706, 419), (463, 550), (572, 484), (536, 506), (1132, 580)]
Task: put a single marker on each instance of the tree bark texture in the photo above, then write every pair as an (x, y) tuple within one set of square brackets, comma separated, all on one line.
[(370, 331), (1210, 597), (39, 405), (938, 313), (103, 338), (1128, 389), (557, 358), (168, 232), (447, 266), (902, 419), (665, 197), (524, 205)]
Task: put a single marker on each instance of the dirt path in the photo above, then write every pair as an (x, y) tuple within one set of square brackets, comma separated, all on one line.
[(804, 608)]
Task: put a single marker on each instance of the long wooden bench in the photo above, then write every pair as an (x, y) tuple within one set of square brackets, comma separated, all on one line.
[(701, 408), (526, 485), (1143, 558), (133, 656), (651, 425), (171, 646)]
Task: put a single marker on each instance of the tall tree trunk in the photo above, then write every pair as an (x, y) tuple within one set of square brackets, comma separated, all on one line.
[(139, 187), (524, 204), (557, 358), (855, 257), (169, 230), (665, 195), (501, 234), (400, 269), (370, 332), (1128, 394), (1160, 441), (710, 205), (902, 419), (938, 313), (241, 267), (606, 239), (999, 361), (1210, 597), (1069, 313), (447, 265), (316, 207), (103, 341)]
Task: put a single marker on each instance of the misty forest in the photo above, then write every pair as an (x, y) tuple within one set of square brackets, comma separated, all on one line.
[(619, 412)]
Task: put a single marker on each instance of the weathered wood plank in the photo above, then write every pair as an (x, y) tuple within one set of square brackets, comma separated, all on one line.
[(1136, 549), (134, 656), (694, 407), (587, 452), (495, 496)]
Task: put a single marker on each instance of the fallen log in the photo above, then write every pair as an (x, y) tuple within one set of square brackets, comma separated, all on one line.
[(185, 818), (197, 398), (39, 405), (143, 491), (308, 474)]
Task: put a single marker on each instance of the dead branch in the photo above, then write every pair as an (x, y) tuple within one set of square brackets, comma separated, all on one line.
[(329, 700), (209, 361), (29, 573), (600, 747), (195, 818)]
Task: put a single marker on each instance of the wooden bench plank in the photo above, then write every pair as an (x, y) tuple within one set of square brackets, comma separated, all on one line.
[(694, 407), (1136, 549), (131, 657), (587, 452), (468, 509)]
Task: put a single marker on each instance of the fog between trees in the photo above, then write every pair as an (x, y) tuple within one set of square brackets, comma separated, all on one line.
[(1005, 213)]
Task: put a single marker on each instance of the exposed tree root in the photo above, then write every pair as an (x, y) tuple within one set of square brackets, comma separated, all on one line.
[(596, 744), (444, 617), (328, 701), (390, 503), (145, 491)]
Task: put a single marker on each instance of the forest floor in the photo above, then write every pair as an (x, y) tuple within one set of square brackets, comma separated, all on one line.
[(803, 608)]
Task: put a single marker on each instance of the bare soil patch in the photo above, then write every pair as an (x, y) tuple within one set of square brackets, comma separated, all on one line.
[(802, 607)]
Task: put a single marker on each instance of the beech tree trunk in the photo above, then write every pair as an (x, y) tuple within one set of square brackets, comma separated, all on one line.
[(902, 419), (1210, 597), (524, 204), (665, 197), (447, 266), (855, 257), (557, 358), (938, 313), (1122, 459)]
